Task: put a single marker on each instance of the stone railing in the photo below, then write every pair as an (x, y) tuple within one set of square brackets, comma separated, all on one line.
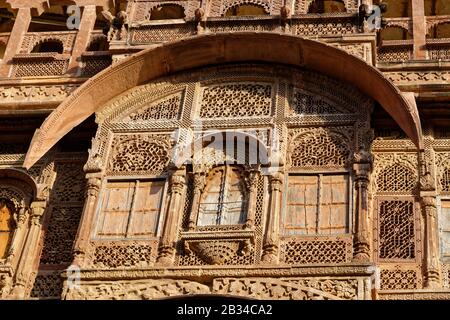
[(235, 24), (438, 49), (161, 32), (395, 51), (311, 25), (31, 39), (40, 64), (318, 25)]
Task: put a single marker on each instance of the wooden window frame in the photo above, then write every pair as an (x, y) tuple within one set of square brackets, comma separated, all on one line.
[(100, 214), (349, 215)]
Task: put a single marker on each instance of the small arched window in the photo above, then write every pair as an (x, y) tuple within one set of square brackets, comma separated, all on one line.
[(394, 33), (247, 9), (48, 46), (396, 8), (440, 31), (6, 227), (167, 11), (326, 6), (224, 200), (437, 8)]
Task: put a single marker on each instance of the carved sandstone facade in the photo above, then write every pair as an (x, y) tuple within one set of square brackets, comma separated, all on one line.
[(260, 148)]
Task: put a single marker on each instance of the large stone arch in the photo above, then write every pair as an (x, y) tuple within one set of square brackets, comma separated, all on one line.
[(216, 49)]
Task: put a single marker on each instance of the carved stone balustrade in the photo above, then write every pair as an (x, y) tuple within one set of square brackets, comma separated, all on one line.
[(161, 31), (395, 51), (40, 64), (438, 49), (218, 248)]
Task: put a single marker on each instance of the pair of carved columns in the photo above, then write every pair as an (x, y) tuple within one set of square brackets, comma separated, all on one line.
[(271, 242), (428, 199), (177, 191), (29, 256), (84, 230), (362, 166)]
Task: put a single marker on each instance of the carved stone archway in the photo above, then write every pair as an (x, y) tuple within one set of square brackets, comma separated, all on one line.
[(217, 49)]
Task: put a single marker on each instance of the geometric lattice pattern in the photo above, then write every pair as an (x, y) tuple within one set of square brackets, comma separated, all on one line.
[(60, 235), (236, 100), (70, 182), (40, 68), (308, 104), (319, 149), (47, 286), (298, 251), (128, 255), (138, 155), (93, 65), (396, 178), (445, 180), (396, 230), (398, 279), (68, 197), (164, 110)]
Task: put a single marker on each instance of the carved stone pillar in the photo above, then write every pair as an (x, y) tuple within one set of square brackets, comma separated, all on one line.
[(271, 237), (86, 223), (29, 261), (253, 178), (18, 237), (82, 40), (199, 185), (428, 200), (20, 28), (419, 29), (361, 167), (432, 272), (177, 189)]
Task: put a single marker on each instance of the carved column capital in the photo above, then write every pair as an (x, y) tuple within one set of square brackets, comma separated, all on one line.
[(252, 179), (199, 182), (37, 211), (177, 181), (93, 185), (276, 181)]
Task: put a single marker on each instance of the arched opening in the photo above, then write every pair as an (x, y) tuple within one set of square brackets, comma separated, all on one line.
[(98, 44), (437, 7), (396, 8), (228, 48), (223, 201), (440, 31), (7, 226), (53, 19), (167, 11), (2, 50), (6, 20), (48, 46), (394, 33), (247, 9), (327, 6)]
